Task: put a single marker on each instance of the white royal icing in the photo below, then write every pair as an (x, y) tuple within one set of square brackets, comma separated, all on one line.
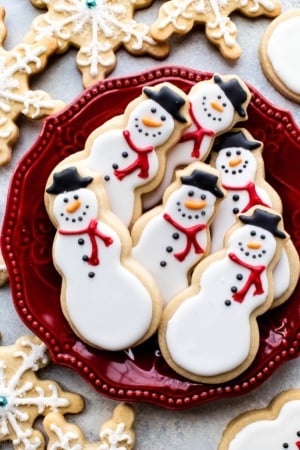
[(111, 148), (207, 337), (161, 241), (283, 49), (283, 432), (201, 97), (117, 311)]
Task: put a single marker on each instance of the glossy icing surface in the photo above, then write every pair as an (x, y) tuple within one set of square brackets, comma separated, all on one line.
[(143, 374)]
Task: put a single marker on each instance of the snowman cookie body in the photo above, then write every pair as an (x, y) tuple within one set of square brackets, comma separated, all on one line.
[(215, 106), (216, 317), (275, 427), (106, 303), (172, 238), (128, 150)]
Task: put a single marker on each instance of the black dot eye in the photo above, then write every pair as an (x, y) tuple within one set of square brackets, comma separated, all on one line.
[(153, 110), (238, 152), (163, 118), (76, 197), (228, 153), (203, 197), (219, 97), (66, 200), (191, 193), (263, 236), (253, 233)]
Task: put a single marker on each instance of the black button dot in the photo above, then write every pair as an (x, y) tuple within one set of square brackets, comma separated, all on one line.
[(80, 241), (233, 289), (125, 154), (169, 249), (163, 263), (91, 274), (235, 197), (175, 235), (85, 258), (227, 302), (107, 178), (235, 210), (239, 276), (115, 166)]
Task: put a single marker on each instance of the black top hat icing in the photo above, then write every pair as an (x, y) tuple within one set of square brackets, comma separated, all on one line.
[(235, 139), (68, 180), (234, 91), (203, 180), (169, 100), (264, 219)]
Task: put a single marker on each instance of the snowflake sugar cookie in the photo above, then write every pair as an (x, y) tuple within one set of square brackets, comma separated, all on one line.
[(98, 28), (115, 434), (179, 16), (16, 66), (24, 397)]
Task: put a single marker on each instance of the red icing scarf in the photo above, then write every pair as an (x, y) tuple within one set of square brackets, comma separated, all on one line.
[(190, 234), (254, 198), (141, 161), (197, 135), (92, 232), (254, 278)]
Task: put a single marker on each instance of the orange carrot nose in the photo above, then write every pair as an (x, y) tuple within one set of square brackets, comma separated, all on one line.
[(194, 204), (235, 162), (150, 122), (73, 206), (217, 106), (254, 245)]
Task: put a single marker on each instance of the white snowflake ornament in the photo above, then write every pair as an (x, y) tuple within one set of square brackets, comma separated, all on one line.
[(24, 397), (98, 28), (16, 66), (115, 434), (179, 17)]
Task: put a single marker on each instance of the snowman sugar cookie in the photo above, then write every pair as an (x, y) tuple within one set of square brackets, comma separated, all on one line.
[(209, 333), (216, 105), (109, 300), (171, 238), (238, 157), (128, 151), (279, 54), (275, 427)]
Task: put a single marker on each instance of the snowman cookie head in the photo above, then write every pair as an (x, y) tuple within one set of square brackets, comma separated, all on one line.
[(236, 156), (256, 242), (220, 102), (74, 205), (153, 120), (275, 427), (194, 201)]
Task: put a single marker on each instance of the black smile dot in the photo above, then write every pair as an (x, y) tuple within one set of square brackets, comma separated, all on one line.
[(163, 263), (115, 166), (190, 217), (91, 274), (80, 219), (62, 214), (107, 178), (247, 253), (175, 235), (73, 220), (80, 241), (227, 302)]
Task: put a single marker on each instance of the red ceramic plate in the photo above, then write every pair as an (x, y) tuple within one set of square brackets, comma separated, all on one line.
[(27, 240)]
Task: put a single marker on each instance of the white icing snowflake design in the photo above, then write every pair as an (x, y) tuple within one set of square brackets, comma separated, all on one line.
[(115, 434), (23, 397), (178, 16), (97, 28), (16, 66)]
